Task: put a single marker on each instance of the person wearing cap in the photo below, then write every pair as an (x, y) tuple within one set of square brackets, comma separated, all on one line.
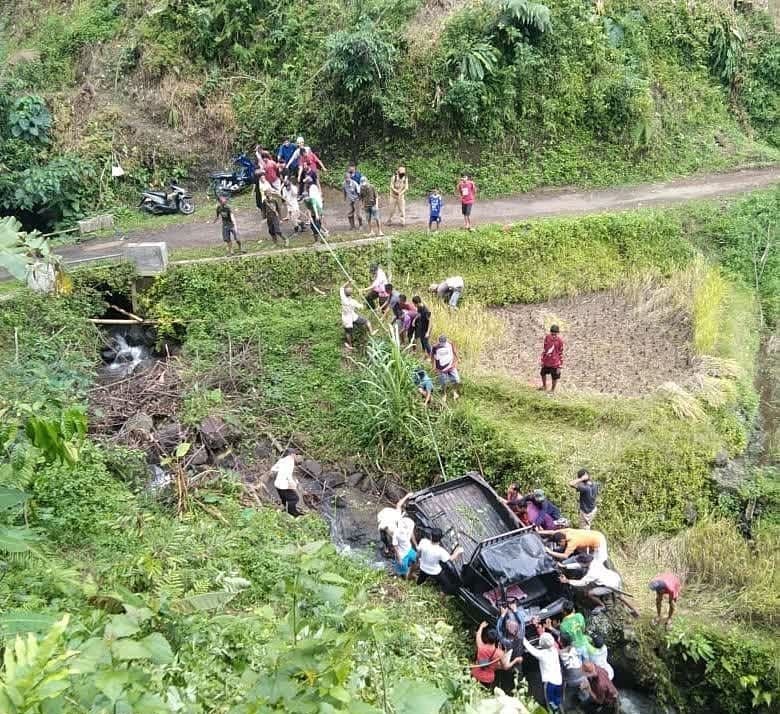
[(424, 385), (449, 290), (588, 490), (444, 357), (370, 199), (549, 669), (285, 483), (665, 584), (552, 358), (399, 185), (545, 505)]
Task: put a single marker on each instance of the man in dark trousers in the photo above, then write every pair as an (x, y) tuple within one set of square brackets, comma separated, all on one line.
[(552, 358), (229, 226)]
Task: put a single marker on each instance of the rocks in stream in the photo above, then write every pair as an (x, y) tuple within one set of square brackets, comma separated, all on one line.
[(313, 468), (216, 434), (354, 479), (169, 436)]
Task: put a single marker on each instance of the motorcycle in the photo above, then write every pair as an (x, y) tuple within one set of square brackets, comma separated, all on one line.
[(174, 200), (229, 183)]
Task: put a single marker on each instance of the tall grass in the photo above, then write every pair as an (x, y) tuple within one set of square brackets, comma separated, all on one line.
[(471, 329), (723, 574)]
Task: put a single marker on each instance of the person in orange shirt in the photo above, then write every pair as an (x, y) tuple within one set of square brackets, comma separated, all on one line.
[(574, 539)]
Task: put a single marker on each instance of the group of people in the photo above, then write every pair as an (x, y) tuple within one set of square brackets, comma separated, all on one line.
[(287, 189), (572, 661)]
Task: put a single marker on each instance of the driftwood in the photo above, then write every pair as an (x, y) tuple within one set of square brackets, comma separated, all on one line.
[(111, 321), (125, 312)]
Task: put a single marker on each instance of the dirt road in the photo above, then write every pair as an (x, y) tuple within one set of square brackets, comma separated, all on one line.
[(546, 202)]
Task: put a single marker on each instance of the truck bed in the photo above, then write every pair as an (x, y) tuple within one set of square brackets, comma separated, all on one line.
[(467, 511)]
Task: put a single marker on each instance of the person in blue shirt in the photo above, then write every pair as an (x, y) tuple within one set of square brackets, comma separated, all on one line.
[(285, 151), (435, 204), (424, 385), (355, 175)]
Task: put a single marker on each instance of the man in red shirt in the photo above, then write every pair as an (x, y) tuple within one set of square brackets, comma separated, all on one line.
[(467, 190), (665, 584), (552, 358)]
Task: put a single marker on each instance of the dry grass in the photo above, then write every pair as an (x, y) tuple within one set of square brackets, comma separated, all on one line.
[(683, 404), (471, 328), (723, 576)]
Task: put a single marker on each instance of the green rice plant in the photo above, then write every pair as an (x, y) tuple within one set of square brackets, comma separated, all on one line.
[(709, 296), (390, 409)]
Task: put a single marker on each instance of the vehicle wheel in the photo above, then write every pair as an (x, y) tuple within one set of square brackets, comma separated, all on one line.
[(147, 206), (187, 206)]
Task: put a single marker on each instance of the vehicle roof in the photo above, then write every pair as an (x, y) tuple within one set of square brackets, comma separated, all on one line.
[(466, 509)]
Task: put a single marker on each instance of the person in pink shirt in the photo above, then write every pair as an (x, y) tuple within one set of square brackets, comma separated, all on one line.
[(665, 584), (467, 190), (552, 358)]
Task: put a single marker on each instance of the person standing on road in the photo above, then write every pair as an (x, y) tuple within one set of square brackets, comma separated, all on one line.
[(399, 185), (467, 190), (552, 358), (435, 206), (665, 584), (422, 327), (285, 483), (370, 199), (229, 225), (449, 290), (351, 191), (589, 491), (444, 357)]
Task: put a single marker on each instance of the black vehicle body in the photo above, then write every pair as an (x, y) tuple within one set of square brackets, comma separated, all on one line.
[(500, 559), (175, 200)]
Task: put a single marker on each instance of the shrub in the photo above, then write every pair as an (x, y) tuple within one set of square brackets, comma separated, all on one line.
[(30, 119)]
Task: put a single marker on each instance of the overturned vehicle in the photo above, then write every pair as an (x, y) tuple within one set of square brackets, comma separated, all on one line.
[(501, 562)]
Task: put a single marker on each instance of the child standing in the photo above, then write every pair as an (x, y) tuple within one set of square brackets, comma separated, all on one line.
[(435, 204)]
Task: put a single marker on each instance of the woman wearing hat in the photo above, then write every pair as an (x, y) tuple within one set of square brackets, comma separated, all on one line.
[(399, 185)]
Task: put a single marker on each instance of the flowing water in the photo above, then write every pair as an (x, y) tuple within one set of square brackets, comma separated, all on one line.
[(126, 357)]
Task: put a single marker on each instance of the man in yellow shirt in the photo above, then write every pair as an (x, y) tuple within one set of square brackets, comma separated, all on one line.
[(574, 539)]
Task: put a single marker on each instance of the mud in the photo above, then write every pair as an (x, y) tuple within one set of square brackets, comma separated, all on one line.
[(612, 345), (537, 204)]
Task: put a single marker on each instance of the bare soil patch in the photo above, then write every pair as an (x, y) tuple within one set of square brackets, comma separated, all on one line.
[(613, 346)]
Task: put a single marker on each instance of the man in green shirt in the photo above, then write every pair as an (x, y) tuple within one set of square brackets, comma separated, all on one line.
[(573, 624)]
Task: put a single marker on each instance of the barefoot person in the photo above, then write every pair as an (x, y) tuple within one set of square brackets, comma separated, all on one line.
[(445, 361), (665, 584), (467, 190), (552, 358), (229, 225), (349, 315)]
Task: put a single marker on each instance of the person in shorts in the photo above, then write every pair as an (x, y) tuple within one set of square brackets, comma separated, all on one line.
[(467, 190), (665, 584), (370, 198), (229, 225), (349, 315), (424, 385), (435, 206), (444, 357), (552, 358)]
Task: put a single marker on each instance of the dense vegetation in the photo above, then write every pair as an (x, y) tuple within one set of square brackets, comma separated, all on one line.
[(523, 93), (234, 608)]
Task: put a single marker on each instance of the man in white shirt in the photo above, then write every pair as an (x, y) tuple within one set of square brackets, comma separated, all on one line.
[(449, 290), (349, 315), (431, 555), (285, 483), (597, 582)]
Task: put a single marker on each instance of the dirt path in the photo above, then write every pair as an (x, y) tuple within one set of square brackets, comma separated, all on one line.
[(546, 202)]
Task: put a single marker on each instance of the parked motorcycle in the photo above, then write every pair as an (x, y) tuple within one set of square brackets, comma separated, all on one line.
[(229, 183), (174, 200)]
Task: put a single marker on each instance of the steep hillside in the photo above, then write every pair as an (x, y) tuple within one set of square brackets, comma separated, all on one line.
[(525, 94)]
